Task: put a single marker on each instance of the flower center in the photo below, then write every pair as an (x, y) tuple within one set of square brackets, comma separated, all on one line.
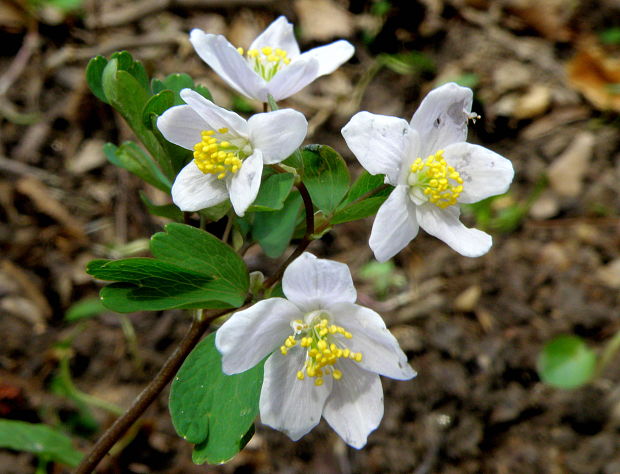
[(324, 344), (214, 155), (266, 61), (435, 181)]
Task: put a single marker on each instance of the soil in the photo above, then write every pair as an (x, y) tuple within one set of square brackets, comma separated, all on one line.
[(472, 328)]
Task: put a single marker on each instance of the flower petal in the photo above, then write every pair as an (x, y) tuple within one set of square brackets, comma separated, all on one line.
[(445, 225), (181, 125), (313, 283), (380, 350), (331, 56), (244, 185), (442, 117), (226, 61), (215, 117), (286, 403), (484, 172), (355, 407), (293, 78), (380, 143), (265, 325), (395, 225), (277, 134), (279, 34), (194, 190)]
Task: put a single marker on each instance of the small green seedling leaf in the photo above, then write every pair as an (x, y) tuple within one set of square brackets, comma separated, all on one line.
[(86, 308), (213, 410), (326, 176), (42, 440), (566, 362)]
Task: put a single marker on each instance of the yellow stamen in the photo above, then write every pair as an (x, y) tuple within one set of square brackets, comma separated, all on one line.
[(213, 156), (266, 61), (438, 181)]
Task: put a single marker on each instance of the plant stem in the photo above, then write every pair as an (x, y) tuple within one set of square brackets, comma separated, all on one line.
[(610, 351), (150, 392), (307, 238)]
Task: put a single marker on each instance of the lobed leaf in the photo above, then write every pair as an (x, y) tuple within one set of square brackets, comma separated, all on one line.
[(213, 410)]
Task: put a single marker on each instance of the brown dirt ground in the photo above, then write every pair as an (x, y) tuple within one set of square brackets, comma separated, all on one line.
[(472, 328)]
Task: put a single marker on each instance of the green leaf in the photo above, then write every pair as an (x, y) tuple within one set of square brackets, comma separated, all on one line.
[(272, 193), (125, 86), (325, 175), (156, 106), (213, 410), (274, 230), (132, 158), (94, 71), (566, 362), (191, 269), (42, 440), (169, 211), (354, 208), (176, 83), (86, 308), (215, 213)]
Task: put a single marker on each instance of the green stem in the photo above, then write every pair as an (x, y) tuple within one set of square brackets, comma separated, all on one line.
[(148, 395), (610, 351)]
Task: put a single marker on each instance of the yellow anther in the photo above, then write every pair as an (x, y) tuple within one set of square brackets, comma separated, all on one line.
[(266, 50), (240, 51), (337, 374), (318, 381), (283, 350), (358, 357), (437, 180), (216, 157), (300, 375), (223, 130), (346, 353), (321, 345), (252, 53), (272, 58)]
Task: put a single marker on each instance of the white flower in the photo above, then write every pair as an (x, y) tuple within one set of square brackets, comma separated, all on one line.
[(328, 352), (229, 152), (273, 63), (433, 169)]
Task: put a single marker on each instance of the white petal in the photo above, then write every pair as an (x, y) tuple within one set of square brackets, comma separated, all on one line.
[(331, 56), (355, 407), (277, 134), (293, 78), (484, 172), (278, 35), (245, 184), (181, 125), (445, 225), (194, 190), (380, 350), (286, 403), (395, 225), (224, 59), (442, 117), (264, 326), (380, 143), (313, 283), (215, 117)]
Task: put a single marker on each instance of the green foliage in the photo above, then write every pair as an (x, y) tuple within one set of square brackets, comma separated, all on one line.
[(124, 84), (273, 192), (213, 410), (356, 204), (383, 276), (566, 362), (610, 35), (83, 309), (326, 176), (42, 440), (409, 63), (467, 79), (191, 269), (274, 230), (131, 157)]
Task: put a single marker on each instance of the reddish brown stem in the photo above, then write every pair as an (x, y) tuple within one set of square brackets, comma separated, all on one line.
[(150, 392)]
